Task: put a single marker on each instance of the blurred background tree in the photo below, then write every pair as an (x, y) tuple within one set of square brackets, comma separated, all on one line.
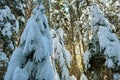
[(72, 17)]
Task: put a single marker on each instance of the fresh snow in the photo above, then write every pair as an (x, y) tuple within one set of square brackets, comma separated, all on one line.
[(7, 30), (32, 60), (8, 26), (17, 60), (20, 74), (61, 55), (86, 58), (3, 57), (109, 63), (116, 76), (108, 45), (83, 77)]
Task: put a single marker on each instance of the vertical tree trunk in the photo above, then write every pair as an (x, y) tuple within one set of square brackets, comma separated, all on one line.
[(74, 70)]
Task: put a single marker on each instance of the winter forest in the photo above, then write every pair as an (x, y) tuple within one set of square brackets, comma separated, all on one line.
[(59, 39)]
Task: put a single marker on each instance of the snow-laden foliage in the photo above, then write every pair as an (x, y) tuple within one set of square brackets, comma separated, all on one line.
[(116, 76), (17, 60), (3, 57), (109, 63), (12, 21), (86, 58), (112, 12), (3, 60), (61, 55), (20, 74), (83, 77), (36, 36), (104, 43), (45, 70), (32, 59), (73, 78), (8, 27)]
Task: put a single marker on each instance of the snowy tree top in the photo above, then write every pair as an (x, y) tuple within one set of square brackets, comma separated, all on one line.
[(36, 36), (97, 19), (103, 41), (95, 14), (94, 9), (39, 9)]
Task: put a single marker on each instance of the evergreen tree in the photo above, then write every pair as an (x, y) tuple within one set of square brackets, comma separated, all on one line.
[(10, 23), (32, 59), (104, 47), (11, 12), (9, 26), (61, 56)]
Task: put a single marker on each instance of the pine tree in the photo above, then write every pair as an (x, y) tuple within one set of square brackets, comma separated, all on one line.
[(32, 59), (104, 47), (9, 26), (12, 12), (61, 56)]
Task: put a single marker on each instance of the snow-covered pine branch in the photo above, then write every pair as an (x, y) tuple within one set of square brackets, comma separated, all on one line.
[(32, 59), (61, 56), (104, 43)]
